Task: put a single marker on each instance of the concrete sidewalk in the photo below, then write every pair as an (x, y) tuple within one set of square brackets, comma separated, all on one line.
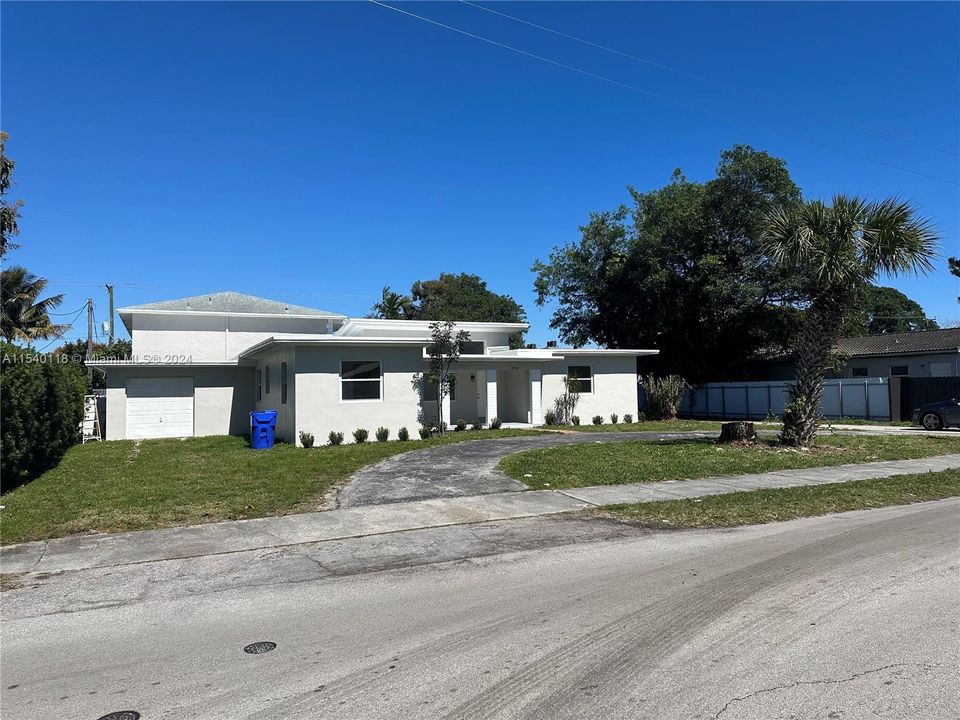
[(91, 551)]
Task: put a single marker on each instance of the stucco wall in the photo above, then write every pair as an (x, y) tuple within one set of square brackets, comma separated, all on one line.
[(320, 409), (223, 398), (918, 365), (211, 337), (614, 386)]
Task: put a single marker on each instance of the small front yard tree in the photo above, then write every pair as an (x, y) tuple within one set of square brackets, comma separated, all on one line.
[(444, 351), (834, 250), (566, 404)]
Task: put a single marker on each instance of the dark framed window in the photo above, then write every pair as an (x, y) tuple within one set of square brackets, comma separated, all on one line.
[(283, 382), (266, 379), (858, 372), (471, 347), (584, 374), (361, 380), (259, 384), (899, 370)]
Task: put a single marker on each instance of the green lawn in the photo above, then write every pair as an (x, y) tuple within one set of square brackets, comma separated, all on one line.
[(649, 426), (775, 505), (116, 486), (615, 463)]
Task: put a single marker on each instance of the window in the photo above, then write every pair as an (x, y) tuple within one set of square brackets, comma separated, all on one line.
[(259, 384), (472, 347), (584, 374), (360, 380), (858, 372), (899, 370), (430, 389), (266, 371), (283, 382)]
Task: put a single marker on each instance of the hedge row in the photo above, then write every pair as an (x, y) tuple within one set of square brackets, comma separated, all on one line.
[(41, 406)]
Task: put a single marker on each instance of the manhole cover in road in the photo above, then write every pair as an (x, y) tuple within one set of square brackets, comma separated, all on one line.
[(259, 648), (121, 715)]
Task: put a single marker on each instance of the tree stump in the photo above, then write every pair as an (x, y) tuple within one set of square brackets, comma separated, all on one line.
[(737, 432)]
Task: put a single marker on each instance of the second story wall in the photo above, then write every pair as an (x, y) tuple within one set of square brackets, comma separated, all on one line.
[(208, 337)]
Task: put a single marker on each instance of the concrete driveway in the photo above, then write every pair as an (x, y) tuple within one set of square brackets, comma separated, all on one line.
[(466, 468)]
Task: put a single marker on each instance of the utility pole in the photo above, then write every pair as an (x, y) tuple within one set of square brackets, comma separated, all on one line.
[(89, 328), (89, 342), (110, 296)]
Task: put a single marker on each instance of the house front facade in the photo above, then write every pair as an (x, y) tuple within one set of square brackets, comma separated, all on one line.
[(922, 353), (199, 366)]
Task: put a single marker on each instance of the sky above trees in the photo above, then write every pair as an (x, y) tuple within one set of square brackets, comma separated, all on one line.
[(315, 152)]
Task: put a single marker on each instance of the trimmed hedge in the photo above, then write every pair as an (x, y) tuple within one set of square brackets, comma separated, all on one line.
[(41, 403)]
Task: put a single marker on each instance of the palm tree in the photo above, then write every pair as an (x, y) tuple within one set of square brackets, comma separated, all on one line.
[(393, 306), (23, 315), (836, 249)]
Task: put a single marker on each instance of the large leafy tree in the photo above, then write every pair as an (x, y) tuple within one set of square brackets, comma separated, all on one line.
[(885, 310), (836, 249), (462, 297), (954, 265), (9, 211), (682, 270), (24, 314)]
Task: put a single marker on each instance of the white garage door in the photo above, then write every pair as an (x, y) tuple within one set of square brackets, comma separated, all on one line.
[(159, 407)]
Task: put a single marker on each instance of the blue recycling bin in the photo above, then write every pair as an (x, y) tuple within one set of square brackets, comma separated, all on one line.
[(263, 424)]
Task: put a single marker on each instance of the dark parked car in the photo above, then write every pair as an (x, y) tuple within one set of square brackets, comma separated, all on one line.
[(938, 415)]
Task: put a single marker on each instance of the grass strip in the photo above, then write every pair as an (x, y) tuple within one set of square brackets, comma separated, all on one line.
[(780, 504)]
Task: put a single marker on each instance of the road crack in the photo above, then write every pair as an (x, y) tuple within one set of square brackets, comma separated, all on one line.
[(824, 681)]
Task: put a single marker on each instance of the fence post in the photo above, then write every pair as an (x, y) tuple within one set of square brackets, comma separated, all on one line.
[(769, 400), (866, 398), (840, 392)]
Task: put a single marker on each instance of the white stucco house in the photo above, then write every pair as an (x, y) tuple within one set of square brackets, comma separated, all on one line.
[(200, 364)]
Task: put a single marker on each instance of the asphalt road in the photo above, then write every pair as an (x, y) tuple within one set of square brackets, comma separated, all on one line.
[(848, 616)]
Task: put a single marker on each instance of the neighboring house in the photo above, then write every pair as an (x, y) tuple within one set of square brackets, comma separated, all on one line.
[(926, 353), (199, 365)]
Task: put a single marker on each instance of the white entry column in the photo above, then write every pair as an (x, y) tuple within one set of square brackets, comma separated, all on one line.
[(491, 395), (536, 396)]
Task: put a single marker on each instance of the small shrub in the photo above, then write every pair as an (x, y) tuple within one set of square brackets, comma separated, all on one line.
[(495, 424), (627, 418), (598, 419), (383, 434), (335, 438), (306, 439), (461, 425), (664, 395), (360, 435), (477, 425), (550, 417), (575, 419), (641, 416), (403, 434), (425, 432), (613, 419)]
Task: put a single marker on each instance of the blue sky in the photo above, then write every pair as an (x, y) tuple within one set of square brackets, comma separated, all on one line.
[(314, 152)]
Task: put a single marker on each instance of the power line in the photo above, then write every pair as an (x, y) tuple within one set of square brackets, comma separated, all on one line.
[(80, 309), (634, 88), (710, 81), (70, 325)]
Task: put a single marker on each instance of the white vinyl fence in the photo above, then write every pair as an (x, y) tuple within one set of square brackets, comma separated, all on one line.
[(860, 397)]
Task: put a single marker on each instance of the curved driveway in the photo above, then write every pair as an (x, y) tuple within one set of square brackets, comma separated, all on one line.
[(466, 468)]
